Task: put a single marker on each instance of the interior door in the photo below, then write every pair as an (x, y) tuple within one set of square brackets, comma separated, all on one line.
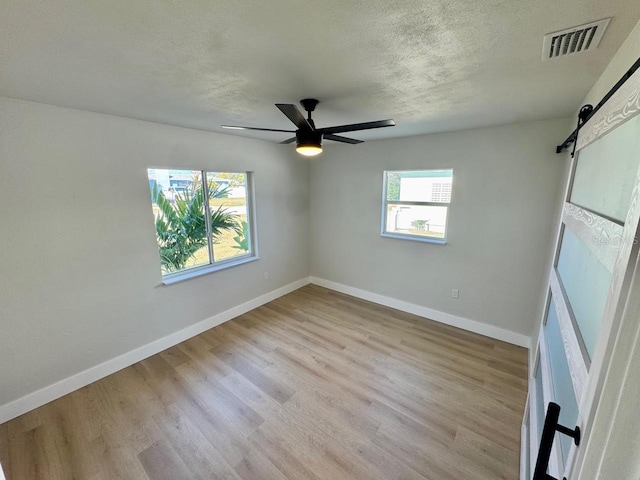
[(595, 250)]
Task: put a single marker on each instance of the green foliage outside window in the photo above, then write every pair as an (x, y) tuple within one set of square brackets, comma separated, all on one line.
[(181, 229), (242, 240), (393, 185)]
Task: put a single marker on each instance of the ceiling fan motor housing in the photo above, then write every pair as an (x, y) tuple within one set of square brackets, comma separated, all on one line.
[(309, 138)]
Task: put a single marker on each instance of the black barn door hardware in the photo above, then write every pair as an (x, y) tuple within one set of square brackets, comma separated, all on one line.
[(574, 135), (551, 426), (585, 113)]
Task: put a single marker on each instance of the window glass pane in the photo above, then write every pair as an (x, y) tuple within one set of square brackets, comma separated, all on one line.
[(586, 281), (561, 377), (178, 209), (427, 221), (229, 217), (420, 186), (606, 171), (541, 407)]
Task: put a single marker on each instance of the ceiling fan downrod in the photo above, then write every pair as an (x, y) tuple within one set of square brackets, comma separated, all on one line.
[(309, 104)]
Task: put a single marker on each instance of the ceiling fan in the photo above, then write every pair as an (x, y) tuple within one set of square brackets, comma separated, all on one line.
[(308, 137)]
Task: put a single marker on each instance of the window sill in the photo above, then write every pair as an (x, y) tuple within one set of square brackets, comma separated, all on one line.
[(415, 238), (205, 270)]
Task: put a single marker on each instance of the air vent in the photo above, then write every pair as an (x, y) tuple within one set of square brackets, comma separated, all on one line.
[(574, 40)]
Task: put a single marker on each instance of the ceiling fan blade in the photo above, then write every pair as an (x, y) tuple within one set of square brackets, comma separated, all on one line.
[(289, 140), (357, 126), (338, 138), (293, 114), (236, 127)]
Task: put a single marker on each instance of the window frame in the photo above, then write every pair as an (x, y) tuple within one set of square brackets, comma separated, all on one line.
[(213, 265), (410, 236)]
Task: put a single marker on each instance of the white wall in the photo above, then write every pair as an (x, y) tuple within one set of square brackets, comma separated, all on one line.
[(80, 278), (504, 203)]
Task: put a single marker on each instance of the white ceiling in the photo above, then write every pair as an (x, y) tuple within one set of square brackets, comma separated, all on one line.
[(432, 66)]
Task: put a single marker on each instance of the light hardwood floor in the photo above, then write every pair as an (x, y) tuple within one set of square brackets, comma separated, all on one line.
[(314, 385)]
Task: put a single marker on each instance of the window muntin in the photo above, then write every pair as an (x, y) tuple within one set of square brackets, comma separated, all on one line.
[(416, 204), (203, 219)]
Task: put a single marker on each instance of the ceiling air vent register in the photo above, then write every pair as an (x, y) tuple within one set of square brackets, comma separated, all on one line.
[(574, 40)]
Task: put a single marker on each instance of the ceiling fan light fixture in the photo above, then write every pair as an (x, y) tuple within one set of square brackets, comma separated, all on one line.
[(309, 150), (309, 143)]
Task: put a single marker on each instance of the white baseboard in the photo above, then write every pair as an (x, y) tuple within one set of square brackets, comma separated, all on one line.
[(79, 380), (429, 313), (49, 393)]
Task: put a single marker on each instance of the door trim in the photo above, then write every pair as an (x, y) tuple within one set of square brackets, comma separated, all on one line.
[(622, 106), (601, 235)]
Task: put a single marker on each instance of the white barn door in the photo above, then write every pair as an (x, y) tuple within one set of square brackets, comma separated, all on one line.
[(595, 252)]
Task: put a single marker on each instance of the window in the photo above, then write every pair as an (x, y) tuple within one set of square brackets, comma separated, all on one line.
[(203, 220), (416, 204)]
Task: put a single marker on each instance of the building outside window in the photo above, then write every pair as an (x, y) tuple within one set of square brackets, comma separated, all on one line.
[(416, 204)]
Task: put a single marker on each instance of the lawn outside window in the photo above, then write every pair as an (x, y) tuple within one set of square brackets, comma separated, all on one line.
[(416, 204), (204, 220)]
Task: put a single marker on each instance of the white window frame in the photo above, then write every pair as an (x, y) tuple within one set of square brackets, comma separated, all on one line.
[(214, 266), (409, 236)]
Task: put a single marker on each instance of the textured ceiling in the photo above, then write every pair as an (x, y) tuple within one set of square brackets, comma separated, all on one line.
[(431, 65)]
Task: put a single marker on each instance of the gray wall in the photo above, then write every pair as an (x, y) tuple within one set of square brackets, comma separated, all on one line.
[(79, 267), (79, 272), (504, 205)]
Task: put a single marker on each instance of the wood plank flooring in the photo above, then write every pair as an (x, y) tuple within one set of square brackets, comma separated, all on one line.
[(315, 385)]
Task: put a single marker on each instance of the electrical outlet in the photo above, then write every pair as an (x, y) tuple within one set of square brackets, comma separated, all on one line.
[(455, 293), (266, 275)]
